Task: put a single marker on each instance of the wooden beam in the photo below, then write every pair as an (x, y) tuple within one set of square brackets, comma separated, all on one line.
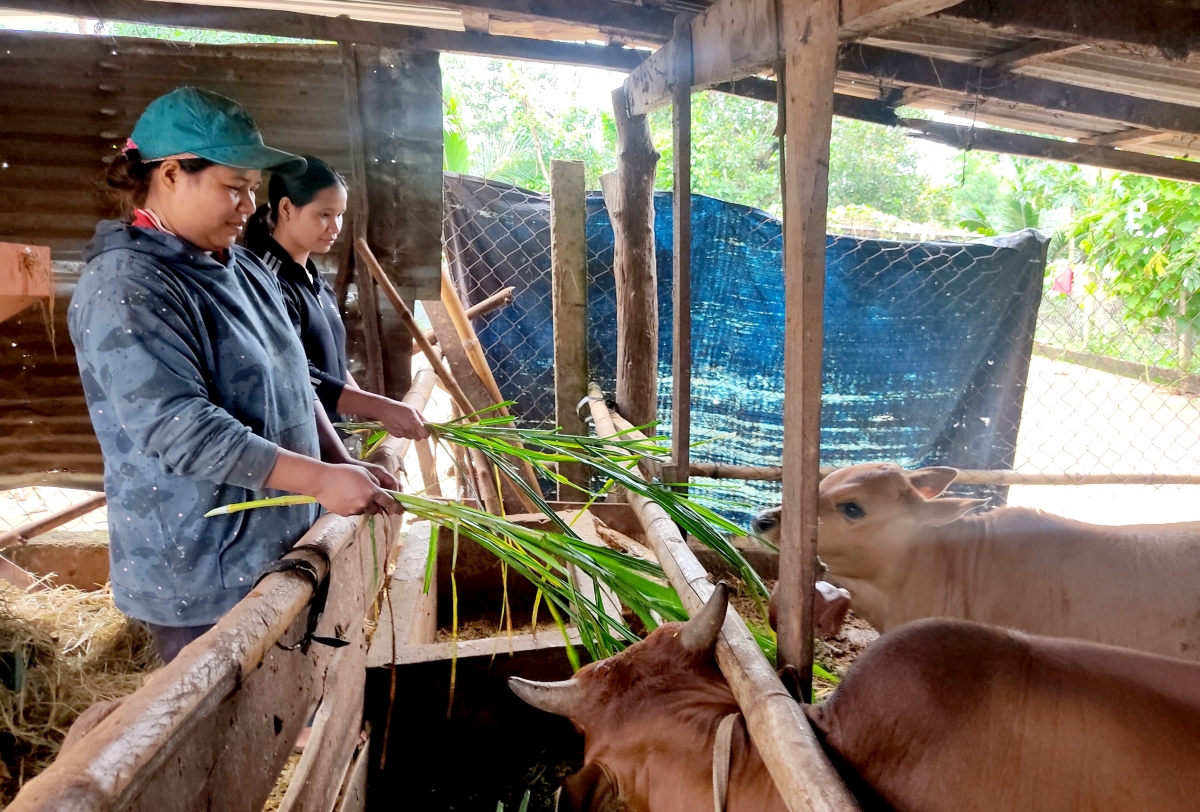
[(1172, 29), (629, 195), (1127, 138), (1038, 50), (988, 83), (681, 246), (734, 39), (568, 272), (336, 29), (810, 33), (622, 19), (1087, 152), (1048, 149), (799, 767)]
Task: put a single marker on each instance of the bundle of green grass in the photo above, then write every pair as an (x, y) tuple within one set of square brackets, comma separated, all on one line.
[(61, 650)]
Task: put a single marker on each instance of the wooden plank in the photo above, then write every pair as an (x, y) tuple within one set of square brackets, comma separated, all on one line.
[(81, 564), (1049, 149), (368, 300), (45, 524), (1032, 52), (809, 69), (19, 576), (486, 647), (790, 750), (409, 614), (623, 19), (1170, 29), (335, 29), (861, 18), (334, 738), (568, 261), (354, 790), (681, 246), (734, 39), (1095, 151), (630, 201), (989, 83)]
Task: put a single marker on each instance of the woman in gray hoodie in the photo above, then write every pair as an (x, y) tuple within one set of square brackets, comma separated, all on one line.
[(198, 387)]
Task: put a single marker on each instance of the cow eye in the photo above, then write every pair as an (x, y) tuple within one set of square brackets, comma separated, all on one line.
[(851, 510)]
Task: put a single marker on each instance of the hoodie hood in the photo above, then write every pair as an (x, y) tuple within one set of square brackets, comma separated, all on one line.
[(114, 235)]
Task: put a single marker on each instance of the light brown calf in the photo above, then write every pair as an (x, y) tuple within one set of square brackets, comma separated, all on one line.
[(904, 555)]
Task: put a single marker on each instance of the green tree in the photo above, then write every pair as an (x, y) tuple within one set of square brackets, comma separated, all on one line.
[(876, 166)]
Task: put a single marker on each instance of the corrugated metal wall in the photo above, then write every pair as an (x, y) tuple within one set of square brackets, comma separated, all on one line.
[(68, 102)]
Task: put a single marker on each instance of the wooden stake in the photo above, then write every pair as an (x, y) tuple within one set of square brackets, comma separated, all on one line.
[(809, 31), (793, 757), (23, 533), (629, 194), (681, 311), (568, 261)]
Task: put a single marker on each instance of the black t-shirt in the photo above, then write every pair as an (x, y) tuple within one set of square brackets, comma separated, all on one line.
[(314, 312)]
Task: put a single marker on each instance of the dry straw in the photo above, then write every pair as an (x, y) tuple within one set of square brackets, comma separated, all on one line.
[(76, 648)]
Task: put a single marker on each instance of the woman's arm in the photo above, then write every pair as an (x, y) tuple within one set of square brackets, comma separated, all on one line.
[(334, 452), (347, 490), (400, 419)]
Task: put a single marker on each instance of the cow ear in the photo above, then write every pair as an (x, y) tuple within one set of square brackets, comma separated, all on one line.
[(592, 789), (938, 512), (930, 482)]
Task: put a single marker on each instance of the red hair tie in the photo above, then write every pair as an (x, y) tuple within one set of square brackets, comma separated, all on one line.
[(128, 146)]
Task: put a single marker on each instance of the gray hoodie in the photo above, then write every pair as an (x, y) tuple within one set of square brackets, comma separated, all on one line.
[(194, 379)]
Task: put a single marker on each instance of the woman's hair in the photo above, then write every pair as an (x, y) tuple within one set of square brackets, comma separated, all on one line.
[(299, 187), (128, 178)]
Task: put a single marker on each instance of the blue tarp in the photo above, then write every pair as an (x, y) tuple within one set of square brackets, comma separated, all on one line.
[(927, 344)]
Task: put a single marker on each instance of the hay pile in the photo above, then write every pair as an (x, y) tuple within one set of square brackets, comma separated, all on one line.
[(75, 648)]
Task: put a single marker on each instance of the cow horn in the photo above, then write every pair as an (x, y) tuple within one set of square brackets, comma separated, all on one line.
[(700, 633), (561, 698)]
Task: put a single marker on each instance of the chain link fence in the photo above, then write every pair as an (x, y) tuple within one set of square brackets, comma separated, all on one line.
[(940, 349), (20, 506)]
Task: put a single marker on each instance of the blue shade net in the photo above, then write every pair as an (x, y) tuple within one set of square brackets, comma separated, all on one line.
[(927, 344)]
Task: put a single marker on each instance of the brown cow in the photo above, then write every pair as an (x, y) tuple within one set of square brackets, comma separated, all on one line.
[(938, 716), (905, 555)]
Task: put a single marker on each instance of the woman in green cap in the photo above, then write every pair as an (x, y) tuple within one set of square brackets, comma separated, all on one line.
[(197, 385)]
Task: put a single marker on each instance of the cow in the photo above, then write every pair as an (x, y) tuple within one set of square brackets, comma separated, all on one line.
[(937, 716), (904, 554)]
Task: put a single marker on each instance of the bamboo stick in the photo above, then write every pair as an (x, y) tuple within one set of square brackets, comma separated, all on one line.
[(406, 316), (466, 333), (493, 302), (793, 757), (22, 534), (774, 473)]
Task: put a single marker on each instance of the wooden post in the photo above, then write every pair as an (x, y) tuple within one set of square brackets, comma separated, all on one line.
[(368, 301), (23, 533), (793, 757), (568, 259), (809, 31), (630, 199), (681, 311)]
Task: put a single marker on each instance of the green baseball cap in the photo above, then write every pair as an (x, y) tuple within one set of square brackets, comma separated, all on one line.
[(192, 123)]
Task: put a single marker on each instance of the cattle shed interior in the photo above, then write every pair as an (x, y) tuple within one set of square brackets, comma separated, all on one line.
[(414, 711)]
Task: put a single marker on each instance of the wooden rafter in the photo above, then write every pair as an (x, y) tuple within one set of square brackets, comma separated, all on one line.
[(643, 23), (336, 29), (899, 68), (735, 39), (1034, 51)]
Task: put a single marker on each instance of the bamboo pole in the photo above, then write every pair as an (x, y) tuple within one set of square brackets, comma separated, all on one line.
[(793, 757), (368, 259), (462, 325), (493, 302), (22, 534)]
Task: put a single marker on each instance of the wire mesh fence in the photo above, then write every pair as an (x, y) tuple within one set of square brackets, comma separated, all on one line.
[(20, 506), (938, 350)]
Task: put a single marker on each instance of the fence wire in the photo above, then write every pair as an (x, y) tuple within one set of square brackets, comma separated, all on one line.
[(943, 350), (21, 506)]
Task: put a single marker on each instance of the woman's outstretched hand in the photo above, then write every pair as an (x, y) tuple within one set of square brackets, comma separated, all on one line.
[(402, 420), (351, 490)]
